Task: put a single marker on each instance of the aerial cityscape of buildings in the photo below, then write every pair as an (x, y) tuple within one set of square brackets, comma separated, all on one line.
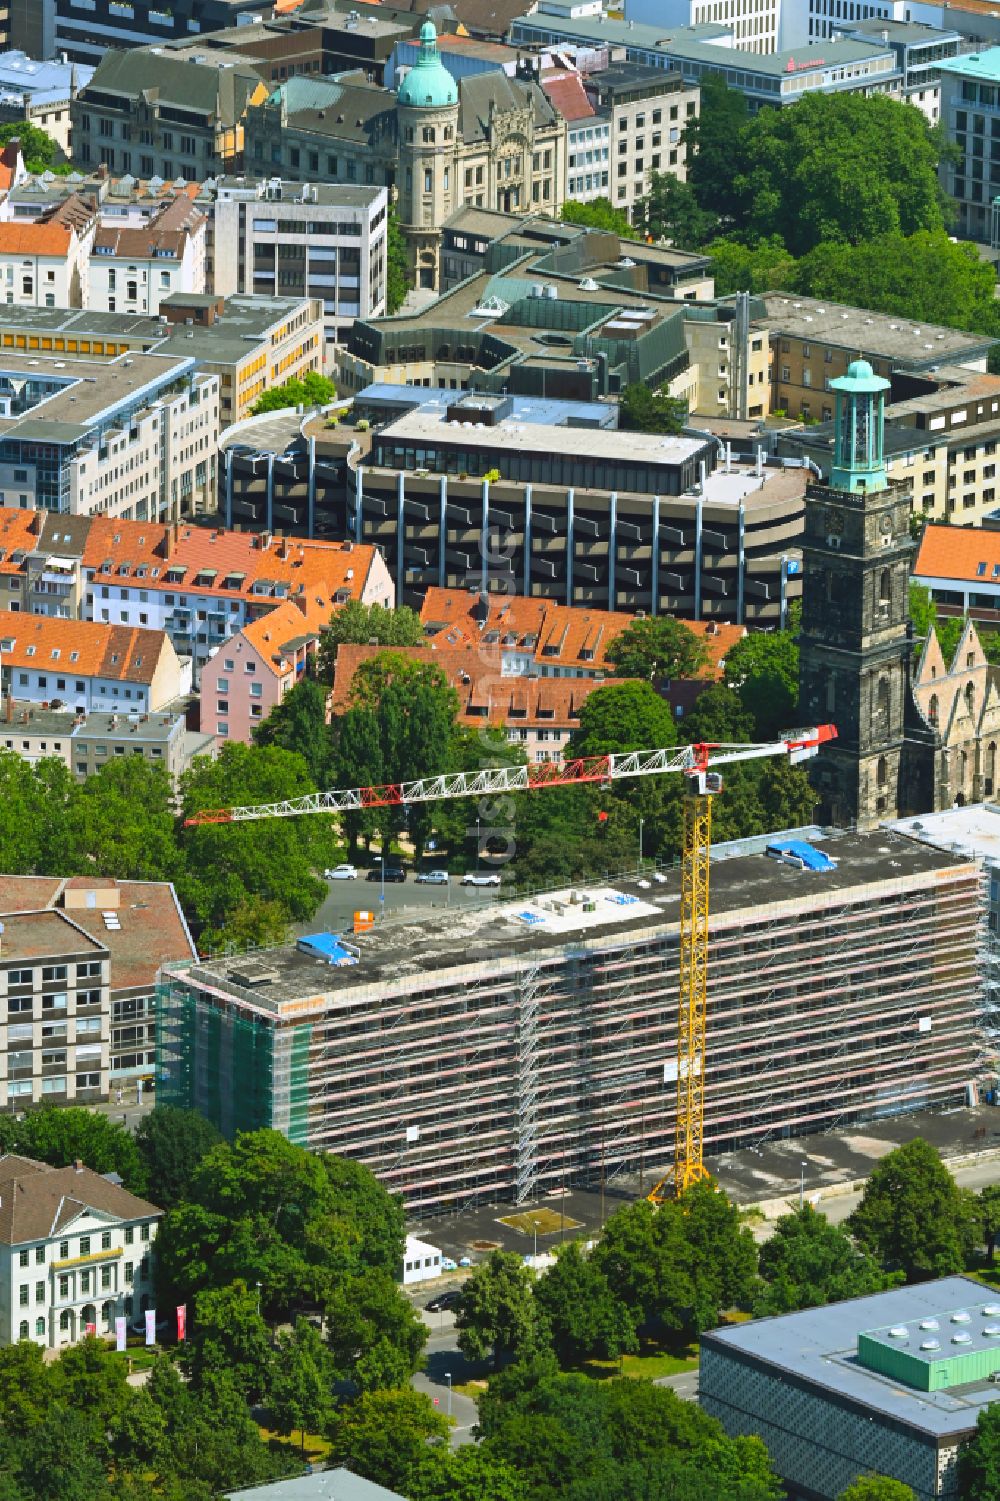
[(499, 711)]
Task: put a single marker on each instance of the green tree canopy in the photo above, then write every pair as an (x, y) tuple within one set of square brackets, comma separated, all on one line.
[(583, 1317), (877, 1488), (497, 1312), (361, 625), (808, 1262), (298, 723), (300, 1397), (714, 139), (979, 1459), (312, 390), (763, 266), (621, 717), (671, 211), (171, 1145), (763, 669), (229, 1336), (40, 152), (913, 1218), (657, 647), (376, 1337), (386, 1436), (61, 1135), (644, 411), (598, 213), (398, 279), (799, 171)]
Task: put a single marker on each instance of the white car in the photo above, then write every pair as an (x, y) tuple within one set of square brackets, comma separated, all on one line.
[(473, 878), (342, 873), (433, 878)]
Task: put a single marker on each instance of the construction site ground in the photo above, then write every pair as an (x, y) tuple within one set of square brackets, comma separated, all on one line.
[(769, 1176)]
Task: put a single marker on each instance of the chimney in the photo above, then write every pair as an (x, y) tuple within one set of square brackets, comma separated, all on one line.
[(10, 706), (171, 539), (284, 550)]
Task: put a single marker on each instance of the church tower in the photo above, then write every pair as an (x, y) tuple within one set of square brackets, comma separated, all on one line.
[(855, 642), (427, 122)]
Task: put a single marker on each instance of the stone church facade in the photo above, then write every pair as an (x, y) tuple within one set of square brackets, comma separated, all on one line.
[(916, 734)]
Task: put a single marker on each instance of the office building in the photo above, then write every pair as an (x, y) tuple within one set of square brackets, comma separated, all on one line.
[(755, 25), (151, 113), (499, 1052), (646, 111), (40, 93), (322, 241), (970, 117), (75, 1253), (86, 29), (80, 959), (890, 1384)]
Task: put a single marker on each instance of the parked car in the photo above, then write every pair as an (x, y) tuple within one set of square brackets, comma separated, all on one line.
[(486, 878), (342, 873), (433, 878), (392, 873), (444, 1301)]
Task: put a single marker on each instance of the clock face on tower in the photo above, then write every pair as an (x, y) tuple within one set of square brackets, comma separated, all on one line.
[(885, 524), (834, 522)]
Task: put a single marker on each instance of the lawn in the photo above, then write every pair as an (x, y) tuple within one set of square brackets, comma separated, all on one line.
[(317, 1448), (652, 1362), (540, 1221)]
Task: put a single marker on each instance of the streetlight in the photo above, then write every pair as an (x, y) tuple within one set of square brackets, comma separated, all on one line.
[(477, 846), (802, 1185), (382, 891), (641, 822), (258, 1299), (447, 1377)]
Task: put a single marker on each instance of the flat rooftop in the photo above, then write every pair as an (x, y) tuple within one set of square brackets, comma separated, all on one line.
[(332, 194), (90, 391), (818, 1347), (36, 935), (973, 831), (430, 426), (534, 409), (852, 328), (289, 984), (983, 65)]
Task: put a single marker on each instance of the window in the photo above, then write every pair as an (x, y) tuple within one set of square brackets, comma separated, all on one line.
[(39, 1327), (23, 1258), (22, 1295), (39, 1292), (144, 1232), (84, 1245), (64, 1250), (106, 1240), (129, 1234)]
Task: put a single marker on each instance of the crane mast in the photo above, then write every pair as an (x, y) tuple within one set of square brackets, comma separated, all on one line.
[(702, 782)]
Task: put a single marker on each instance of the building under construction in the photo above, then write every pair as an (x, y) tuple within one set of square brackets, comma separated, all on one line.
[(492, 1054)]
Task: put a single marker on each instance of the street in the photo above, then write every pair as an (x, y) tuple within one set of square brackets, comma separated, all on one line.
[(443, 1360)]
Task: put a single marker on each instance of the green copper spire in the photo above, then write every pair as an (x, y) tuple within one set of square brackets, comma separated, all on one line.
[(428, 84), (858, 462)]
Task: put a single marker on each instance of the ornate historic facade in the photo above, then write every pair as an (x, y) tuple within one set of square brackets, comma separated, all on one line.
[(915, 734)]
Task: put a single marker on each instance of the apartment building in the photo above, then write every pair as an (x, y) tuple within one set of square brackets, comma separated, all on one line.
[(319, 241), (495, 1053), (152, 113), (86, 953), (960, 565), (88, 665), (253, 670), (75, 1253), (46, 262), (588, 136), (85, 743), (137, 264), (970, 117)]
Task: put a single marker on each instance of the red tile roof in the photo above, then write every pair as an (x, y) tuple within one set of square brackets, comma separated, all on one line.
[(18, 238), (87, 648), (959, 552), (565, 92)]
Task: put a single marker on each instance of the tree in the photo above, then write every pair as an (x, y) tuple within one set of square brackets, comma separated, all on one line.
[(171, 1144), (622, 717), (989, 1200), (808, 1262), (466, 1474), (59, 1460), (121, 822), (310, 390), (714, 144), (799, 169), (877, 1488), (298, 723), (254, 924), (386, 1435), (214, 1443), (362, 625), (60, 1135), (719, 714), (763, 266), (644, 411), (376, 1336), (763, 669), (39, 150), (398, 279), (26, 1386), (598, 214), (228, 1335), (300, 1397), (657, 647), (583, 1316), (912, 1217), (979, 1459), (36, 801), (497, 1311), (275, 860), (670, 211)]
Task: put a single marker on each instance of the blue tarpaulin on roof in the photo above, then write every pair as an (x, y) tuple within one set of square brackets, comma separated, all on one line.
[(327, 946), (799, 852)]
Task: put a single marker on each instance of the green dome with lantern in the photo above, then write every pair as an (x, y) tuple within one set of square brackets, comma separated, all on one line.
[(428, 84)]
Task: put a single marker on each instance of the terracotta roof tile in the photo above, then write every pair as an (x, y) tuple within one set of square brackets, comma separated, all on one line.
[(566, 93), (959, 552), (87, 648), (17, 534), (17, 238)]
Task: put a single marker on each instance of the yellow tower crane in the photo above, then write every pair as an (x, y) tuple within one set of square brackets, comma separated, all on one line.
[(701, 783)]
